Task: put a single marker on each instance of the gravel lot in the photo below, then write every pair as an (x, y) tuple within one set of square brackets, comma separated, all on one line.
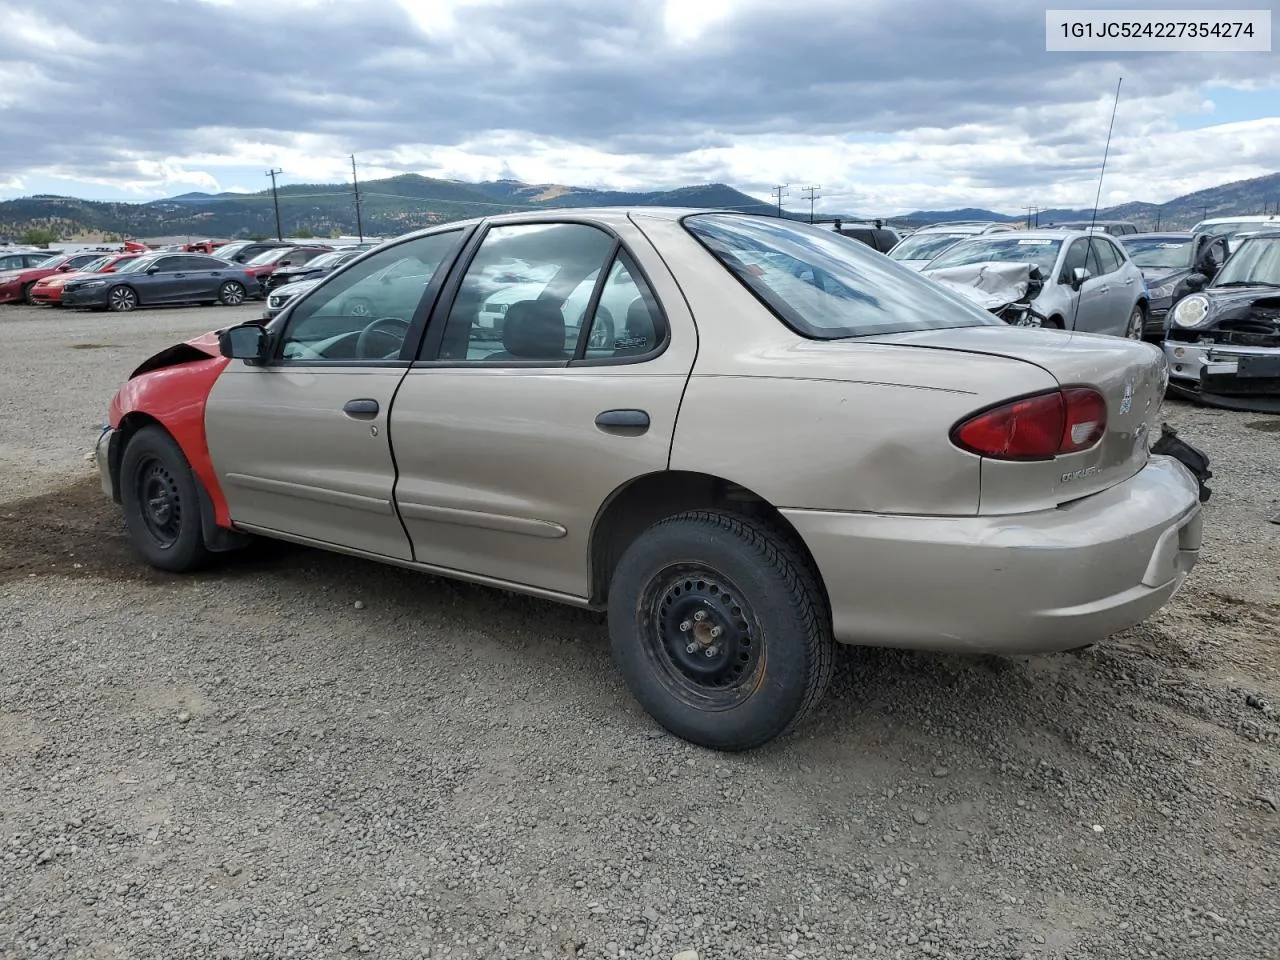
[(306, 755)]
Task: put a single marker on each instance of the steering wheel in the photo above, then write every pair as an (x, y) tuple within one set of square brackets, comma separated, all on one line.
[(380, 328)]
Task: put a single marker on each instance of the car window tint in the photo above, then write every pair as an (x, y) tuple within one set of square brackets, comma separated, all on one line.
[(387, 286), (1105, 254), (1077, 256), (1091, 261), (826, 286), (626, 321), (168, 264), (196, 263), (523, 295)]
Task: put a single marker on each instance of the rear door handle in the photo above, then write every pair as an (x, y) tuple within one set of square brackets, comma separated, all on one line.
[(363, 409), (1129, 282), (623, 421)]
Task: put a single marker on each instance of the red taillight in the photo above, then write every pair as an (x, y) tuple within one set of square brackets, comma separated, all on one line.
[(1039, 427)]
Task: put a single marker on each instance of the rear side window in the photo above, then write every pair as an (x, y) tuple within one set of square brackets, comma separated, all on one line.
[(823, 286)]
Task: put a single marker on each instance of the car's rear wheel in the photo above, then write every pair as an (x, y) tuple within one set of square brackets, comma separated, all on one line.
[(28, 294), (720, 629), (1137, 323), (122, 299), (231, 294), (161, 503)]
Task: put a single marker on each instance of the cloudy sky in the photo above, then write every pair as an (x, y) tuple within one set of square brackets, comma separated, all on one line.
[(888, 105)]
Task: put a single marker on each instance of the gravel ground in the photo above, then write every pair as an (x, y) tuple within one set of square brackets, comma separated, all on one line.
[(307, 755)]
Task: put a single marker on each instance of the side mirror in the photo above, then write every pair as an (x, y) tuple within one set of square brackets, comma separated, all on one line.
[(65, 268), (248, 341), (1078, 276), (152, 271), (1195, 281)]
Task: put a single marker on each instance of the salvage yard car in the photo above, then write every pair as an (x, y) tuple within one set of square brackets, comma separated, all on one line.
[(791, 442), (1061, 279), (1223, 342), (162, 278), (1173, 265), (16, 285), (49, 290), (926, 243)]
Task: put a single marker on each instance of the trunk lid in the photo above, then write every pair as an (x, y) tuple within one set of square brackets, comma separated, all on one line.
[(1130, 375)]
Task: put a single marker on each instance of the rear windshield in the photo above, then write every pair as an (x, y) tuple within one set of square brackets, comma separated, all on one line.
[(824, 287)]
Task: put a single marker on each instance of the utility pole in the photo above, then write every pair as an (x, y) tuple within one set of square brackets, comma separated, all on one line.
[(1031, 208), (779, 192), (275, 199), (356, 183), (812, 194)]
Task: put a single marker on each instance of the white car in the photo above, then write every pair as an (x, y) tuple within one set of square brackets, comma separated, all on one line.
[(926, 243)]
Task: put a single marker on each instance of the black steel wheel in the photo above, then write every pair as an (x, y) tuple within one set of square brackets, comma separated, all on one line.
[(720, 629), (161, 502), (701, 636)]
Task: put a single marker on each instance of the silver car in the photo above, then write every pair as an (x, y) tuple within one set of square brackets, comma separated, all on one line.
[(1086, 281), (916, 250), (789, 441)]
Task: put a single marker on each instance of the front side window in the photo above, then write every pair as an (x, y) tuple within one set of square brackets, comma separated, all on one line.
[(365, 313), (1077, 257), (525, 292), (825, 287)]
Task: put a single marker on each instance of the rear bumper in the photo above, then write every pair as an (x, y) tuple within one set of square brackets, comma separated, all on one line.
[(1028, 583)]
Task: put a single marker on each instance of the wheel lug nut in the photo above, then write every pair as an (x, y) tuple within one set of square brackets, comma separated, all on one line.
[(711, 652), (686, 626), (691, 648), (700, 615), (716, 631)]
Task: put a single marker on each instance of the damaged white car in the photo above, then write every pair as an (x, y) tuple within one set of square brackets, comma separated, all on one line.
[(1066, 280)]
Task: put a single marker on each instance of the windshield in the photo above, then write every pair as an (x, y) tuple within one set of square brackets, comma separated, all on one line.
[(925, 246), (824, 287), (1233, 227), (50, 262), (324, 260), (136, 264), (230, 250), (1042, 251), (1162, 252), (268, 256), (1257, 261), (93, 266)]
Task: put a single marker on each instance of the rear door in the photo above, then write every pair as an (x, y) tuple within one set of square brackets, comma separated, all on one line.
[(508, 449), (300, 444)]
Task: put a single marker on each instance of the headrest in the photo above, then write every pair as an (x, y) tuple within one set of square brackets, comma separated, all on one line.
[(534, 330), (640, 334)]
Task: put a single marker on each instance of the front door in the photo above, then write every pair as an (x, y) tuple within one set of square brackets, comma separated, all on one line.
[(300, 444), (510, 440), (1089, 301)]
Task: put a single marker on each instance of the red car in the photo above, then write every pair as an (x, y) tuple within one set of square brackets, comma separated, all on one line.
[(49, 290), (264, 263), (16, 285)]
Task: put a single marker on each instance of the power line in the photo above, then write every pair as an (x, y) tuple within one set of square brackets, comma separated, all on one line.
[(275, 199), (356, 183), (812, 193), (779, 192)]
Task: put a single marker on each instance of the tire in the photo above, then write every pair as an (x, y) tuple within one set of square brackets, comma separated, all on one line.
[(27, 294), (693, 574), (122, 299), (1137, 326), (231, 294), (601, 334), (161, 502)]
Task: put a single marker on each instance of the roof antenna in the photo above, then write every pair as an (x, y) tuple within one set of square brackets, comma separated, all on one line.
[(1075, 312), (1098, 198)]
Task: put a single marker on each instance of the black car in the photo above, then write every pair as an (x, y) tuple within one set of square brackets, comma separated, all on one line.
[(1223, 341), (321, 266), (1173, 264), (162, 278), (242, 251)]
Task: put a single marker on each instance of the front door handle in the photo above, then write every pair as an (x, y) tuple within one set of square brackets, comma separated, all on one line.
[(363, 409), (623, 421), (1129, 282)]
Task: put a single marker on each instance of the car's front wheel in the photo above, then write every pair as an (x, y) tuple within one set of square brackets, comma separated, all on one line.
[(161, 503), (720, 629), (122, 299), (231, 294), (1137, 323)]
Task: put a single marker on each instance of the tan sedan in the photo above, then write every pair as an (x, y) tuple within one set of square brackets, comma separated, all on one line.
[(785, 441)]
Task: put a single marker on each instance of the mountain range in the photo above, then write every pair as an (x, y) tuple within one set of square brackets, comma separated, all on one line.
[(398, 204)]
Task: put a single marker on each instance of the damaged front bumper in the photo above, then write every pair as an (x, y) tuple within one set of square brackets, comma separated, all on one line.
[(1226, 376)]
